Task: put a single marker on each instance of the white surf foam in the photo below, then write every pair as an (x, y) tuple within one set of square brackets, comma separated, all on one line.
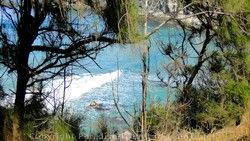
[(79, 84)]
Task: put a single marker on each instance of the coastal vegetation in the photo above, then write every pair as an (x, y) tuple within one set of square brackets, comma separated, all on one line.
[(207, 68)]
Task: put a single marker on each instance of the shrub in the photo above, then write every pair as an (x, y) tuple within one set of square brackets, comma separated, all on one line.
[(158, 118), (213, 109), (74, 122)]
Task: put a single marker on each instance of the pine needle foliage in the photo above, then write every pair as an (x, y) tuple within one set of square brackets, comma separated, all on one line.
[(122, 18), (234, 29)]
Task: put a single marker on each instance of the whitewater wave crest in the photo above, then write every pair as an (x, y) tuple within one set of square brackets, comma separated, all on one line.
[(77, 85)]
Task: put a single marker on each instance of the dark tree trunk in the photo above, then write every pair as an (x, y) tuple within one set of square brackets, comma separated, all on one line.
[(197, 68), (19, 108), (27, 33), (22, 80)]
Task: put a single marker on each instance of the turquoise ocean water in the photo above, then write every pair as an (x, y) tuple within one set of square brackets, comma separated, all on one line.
[(119, 74)]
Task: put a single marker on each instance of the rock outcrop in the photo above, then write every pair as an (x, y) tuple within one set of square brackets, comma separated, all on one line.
[(164, 6)]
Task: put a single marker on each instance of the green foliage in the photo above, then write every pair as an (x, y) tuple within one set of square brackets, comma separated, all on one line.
[(158, 119), (220, 91), (213, 116), (232, 34), (45, 126), (122, 18), (247, 62), (63, 130), (35, 107), (211, 109), (57, 130), (238, 6), (233, 29), (237, 92), (36, 116), (75, 121), (155, 115), (216, 63), (218, 101)]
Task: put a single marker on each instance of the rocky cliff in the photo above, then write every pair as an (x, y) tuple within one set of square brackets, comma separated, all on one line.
[(164, 6)]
